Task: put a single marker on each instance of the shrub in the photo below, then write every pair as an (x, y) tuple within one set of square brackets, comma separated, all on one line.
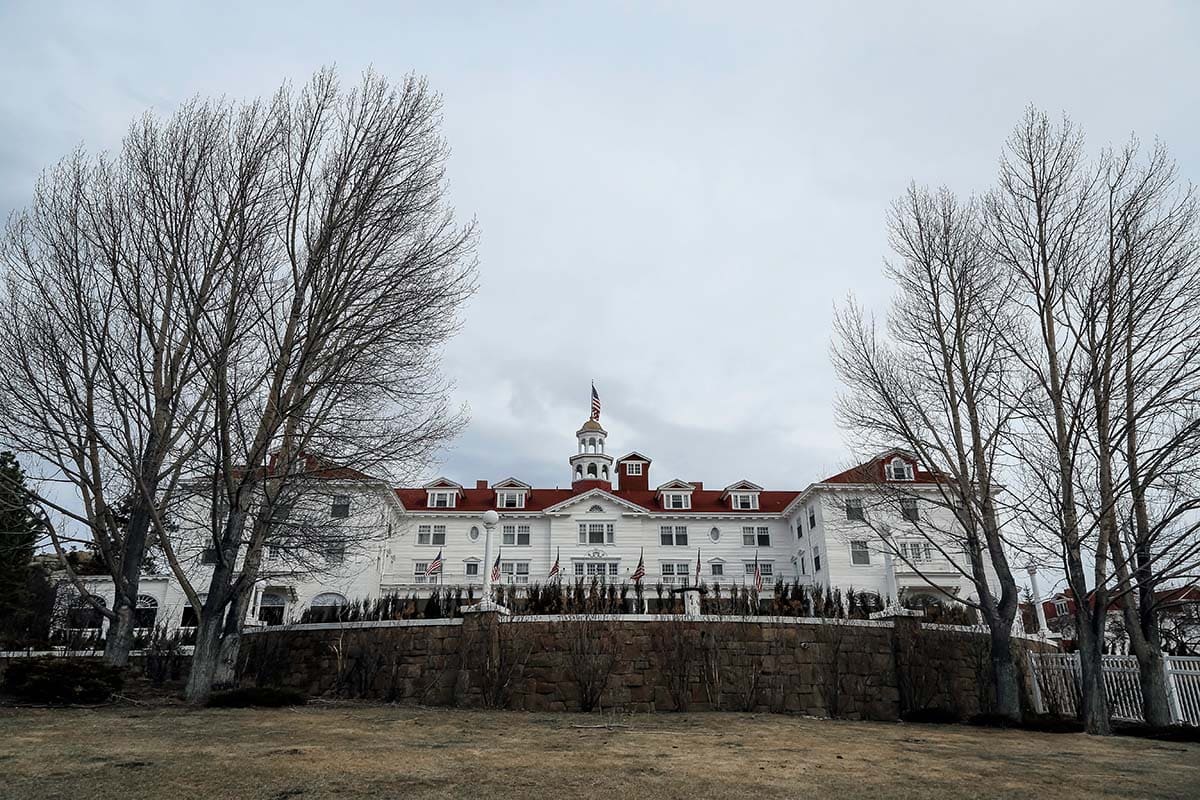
[(62, 680), (256, 696)]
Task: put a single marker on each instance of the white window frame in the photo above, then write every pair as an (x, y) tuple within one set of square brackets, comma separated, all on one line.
[(437, 496), (432, 535), (510, 498), (419, 570), (633, 468), (471, 569), (515, 535), (337, 498), (910, 505), (854, 505), (516, 572), (860, 549), (744, 501), (675, 573), (816, 554), (754, 534), (606, 531), (675, 533), (765, 568), (904, 473), (677, 501), (717, 570)]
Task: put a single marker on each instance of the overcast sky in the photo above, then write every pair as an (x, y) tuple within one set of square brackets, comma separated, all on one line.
[(671, 197)]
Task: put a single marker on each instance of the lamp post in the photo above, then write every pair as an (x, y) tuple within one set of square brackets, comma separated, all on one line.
[(490, 518)]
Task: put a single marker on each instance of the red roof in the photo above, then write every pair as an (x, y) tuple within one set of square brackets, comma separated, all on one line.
[(703, 501), (873, 471)]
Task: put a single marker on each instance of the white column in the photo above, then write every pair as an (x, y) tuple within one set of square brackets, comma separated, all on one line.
[(1043, 628)]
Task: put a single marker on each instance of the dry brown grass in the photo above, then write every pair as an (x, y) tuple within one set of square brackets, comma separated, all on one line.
[(375, 751)]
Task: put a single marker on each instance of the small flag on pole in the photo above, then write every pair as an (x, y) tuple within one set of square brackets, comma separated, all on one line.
[(697, 566), (757, 574), (496, 569), (555, 572), (435, 566), (640, 572), (595, 403)]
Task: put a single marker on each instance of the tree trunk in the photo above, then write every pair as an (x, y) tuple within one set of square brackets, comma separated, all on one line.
[(1005, 675), (119, 639), (1156, 705), (205, 657), (1093, 705), (231, 641)]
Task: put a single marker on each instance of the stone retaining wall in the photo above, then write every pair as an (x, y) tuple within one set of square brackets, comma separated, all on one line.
[(846, 668)]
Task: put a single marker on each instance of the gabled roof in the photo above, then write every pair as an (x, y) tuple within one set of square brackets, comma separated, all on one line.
[(476, 501), (676, 485), (742, 486), (442, 483), (633, 456), (592, 493), (512, 483)]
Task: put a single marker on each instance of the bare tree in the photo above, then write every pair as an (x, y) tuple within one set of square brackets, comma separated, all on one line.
[(939, 386), (336, 353), (1043, 223), (108, 275)]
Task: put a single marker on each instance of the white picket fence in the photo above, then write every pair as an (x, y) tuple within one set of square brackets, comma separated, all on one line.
[(1057, 680)]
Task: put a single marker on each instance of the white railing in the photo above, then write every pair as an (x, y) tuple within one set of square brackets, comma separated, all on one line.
[(1057, 681)]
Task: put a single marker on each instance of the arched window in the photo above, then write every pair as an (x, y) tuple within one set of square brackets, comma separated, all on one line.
[(604, 472), (329, 599), (146, 612), (326, 606), (591, 470), (271, 607), (579, 473), (596, 510), (82, 614), (899, 470)]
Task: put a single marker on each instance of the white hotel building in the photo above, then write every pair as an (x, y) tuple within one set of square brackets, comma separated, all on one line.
[(610, 516)]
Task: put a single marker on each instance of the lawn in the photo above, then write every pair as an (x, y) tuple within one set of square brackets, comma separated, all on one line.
[(327, 751)]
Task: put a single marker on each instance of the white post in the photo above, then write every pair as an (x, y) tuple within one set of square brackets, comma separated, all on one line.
[(1172, 692), (490, 518), (1043, 628), (889, 574)]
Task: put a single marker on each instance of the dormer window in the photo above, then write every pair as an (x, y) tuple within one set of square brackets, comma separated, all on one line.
[(677, 500), (633, 468), (898, 470), (510, 499), (744, 501), (442, 498)]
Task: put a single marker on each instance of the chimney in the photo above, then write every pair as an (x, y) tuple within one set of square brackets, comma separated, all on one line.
[(481, 484), (698, 485)]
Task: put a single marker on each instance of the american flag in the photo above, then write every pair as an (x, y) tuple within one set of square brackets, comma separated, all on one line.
[(757, 575), (555, 571), (496, 569), (595, 403), (640, 572), (435, 566), (697, 566)]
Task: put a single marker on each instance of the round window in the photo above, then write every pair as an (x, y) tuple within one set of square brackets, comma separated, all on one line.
[(714, 534), (473, 534)]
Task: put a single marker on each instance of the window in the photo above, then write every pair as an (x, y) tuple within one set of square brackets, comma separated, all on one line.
[(334, 552), (597, 569), (676, 535), (715, 534), (633, 468), (146, 611), (442, 499), (1060, 607), (745, 502), (419, 570), (799, 529), (801, 563), (716, 570), (472, 569), (431, 534), (514, 571), (516, 535), (510, 499), (812, 518), (676, 573), (908, 508), (854, 509), (859, 554), (82, 614), (677, 500), (760, 536), (765, 567), (595, 533), (899, 470), (916, 552), (816, 560), (271, 607), (473, 534), (190, 617), (208, 555), (341, 506), (326, 606)]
